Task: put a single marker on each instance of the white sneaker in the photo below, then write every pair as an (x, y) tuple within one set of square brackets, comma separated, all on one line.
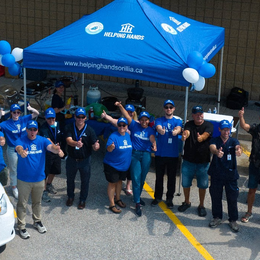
[(40, 227), (15, 192), (24, 233)]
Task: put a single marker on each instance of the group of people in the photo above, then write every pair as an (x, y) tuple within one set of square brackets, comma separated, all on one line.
[(128, 156)]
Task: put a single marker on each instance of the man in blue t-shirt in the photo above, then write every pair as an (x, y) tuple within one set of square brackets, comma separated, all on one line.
[(166, 156), (223, 172), (3, 169), (31, 151)]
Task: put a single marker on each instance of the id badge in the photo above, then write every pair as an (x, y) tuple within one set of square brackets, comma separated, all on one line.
[(76, 147), (169, 140), (229, 157)]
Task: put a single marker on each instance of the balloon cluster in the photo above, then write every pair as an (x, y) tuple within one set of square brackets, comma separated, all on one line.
[(10, 59), (198, 70)]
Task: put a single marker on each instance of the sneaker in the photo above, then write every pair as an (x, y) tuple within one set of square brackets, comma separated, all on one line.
[(138, 210), (184, 206), (40, 227), (202, 211), (24, 234), (169, 204), (142, 202), (45, 196), (15, 192), (215, 222), (154, 203), (50, 188), (234, 226)]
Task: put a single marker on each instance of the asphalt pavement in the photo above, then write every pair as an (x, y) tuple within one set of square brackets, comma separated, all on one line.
[(97, 233)]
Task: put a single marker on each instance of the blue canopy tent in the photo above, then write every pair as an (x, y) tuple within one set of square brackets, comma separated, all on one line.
[(130, 39)]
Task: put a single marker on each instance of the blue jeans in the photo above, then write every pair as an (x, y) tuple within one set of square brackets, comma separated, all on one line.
[(139, 168), (12, 164), (72, 166)]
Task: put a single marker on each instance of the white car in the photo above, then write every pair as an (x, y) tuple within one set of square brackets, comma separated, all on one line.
[(7, 218)]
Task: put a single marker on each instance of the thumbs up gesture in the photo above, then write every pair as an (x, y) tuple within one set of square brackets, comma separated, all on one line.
[(220, 152)]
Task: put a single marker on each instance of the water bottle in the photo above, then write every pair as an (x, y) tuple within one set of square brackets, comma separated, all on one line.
[(209, 110), (215, 110)]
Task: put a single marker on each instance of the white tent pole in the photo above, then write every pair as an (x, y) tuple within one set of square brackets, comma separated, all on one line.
[(220, 76), (24, 91), (82, 90)]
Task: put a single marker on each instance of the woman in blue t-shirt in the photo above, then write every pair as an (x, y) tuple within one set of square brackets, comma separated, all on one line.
[(116, 163), (14, 128), (143, 142)]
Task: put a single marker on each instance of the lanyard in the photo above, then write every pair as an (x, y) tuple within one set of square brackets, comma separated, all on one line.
[(54, 134), (76, 135)]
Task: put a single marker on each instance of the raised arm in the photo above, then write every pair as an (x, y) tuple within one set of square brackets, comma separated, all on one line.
[(109, 118), (243, 123), (35, 112), (124, 112)]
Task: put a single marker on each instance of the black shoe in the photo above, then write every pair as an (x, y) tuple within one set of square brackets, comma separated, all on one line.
[(154, 202), (69, 202), (184, 206), (202, 211), (142, 202), (81, 205), (138, 210), (169, 204)]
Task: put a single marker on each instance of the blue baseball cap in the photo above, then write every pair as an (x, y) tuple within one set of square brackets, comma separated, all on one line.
[(197, 109), (122, 120), (50, 112), (58, 84), (32, 124), (80, 111), (225, 124), (142, 114), (15, 107), (129, 107), (168, 101)]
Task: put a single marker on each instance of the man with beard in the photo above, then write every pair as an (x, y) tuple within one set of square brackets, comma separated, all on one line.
[(166, 156)]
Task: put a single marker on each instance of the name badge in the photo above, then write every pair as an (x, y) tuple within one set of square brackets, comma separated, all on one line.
[(169, 140), (229, 157), (76, 147)]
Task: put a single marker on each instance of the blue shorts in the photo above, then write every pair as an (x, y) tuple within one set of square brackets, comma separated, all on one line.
[(254, 176), (190, 170)]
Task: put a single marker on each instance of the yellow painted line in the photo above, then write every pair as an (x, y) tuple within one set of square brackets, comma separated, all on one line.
[(180, 226), (247, 153)]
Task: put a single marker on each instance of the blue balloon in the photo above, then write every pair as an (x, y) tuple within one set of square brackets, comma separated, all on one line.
[(5, 47), (8, 60), (15, 69), (194, 60), (207, 70)]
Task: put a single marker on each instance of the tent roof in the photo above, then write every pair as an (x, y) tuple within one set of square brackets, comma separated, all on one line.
[(130, 39)]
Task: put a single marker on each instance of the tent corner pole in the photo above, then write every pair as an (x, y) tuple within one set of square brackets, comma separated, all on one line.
[(24, 91), (82, 89), (220, 76)]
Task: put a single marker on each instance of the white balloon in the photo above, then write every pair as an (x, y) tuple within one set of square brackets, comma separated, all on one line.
[(1, 60), (199, 85), (17, 53), (191, 75)]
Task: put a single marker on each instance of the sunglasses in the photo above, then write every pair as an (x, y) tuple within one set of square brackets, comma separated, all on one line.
[(121, 125), (33, 129), (16, 112), (81, 117), (168, 107)]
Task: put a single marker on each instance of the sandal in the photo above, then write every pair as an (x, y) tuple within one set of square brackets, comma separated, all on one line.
[(115, 210), (246, 218), (120, 203), (128, 192)]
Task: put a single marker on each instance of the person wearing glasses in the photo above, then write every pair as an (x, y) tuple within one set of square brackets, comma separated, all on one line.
[(14, 128), (143, 142), (51, 130), (81, 139), (31, 150), (167, 154), (196, 158), (117, 161)]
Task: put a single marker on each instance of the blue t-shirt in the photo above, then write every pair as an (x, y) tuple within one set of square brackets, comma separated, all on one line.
[(167, 144), (120, 157), (31, 168), (2, 162), (224, 168), (15, 129), (141, 136)]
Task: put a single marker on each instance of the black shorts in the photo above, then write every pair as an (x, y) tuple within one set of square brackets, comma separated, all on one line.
[(113, 175), (52, 164)]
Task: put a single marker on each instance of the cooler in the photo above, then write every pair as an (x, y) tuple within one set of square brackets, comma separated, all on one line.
[(215, 119)]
